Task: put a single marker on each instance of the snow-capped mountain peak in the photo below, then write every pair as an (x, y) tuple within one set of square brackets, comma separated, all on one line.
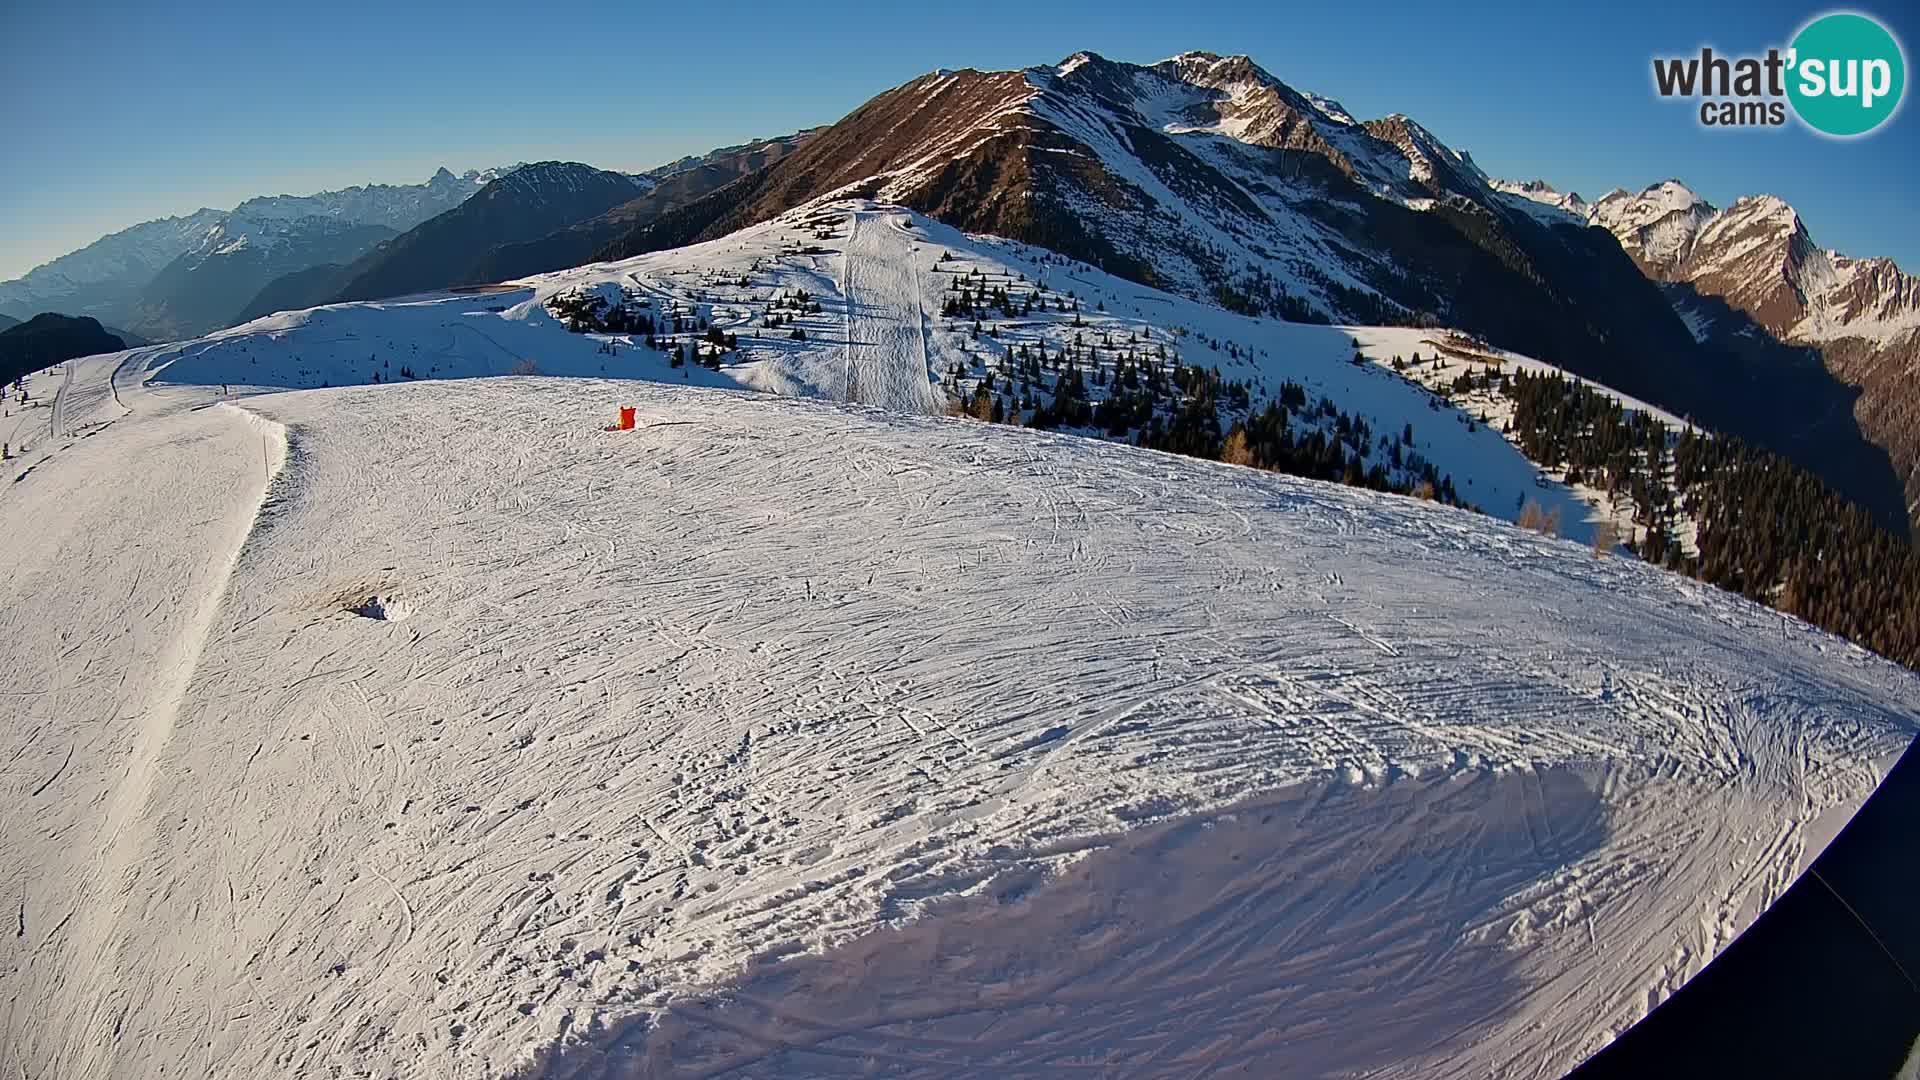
[(1619, 209), (1573, 208), (142, 248), (1331, 109), (1657, 225), (1201, 173), (159, 279), (1064, 68), (1205, 94), (1234, 74), (1758, 258), (394, 206)]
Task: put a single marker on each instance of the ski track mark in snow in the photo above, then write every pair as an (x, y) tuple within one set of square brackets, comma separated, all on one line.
[(887, 361), (191, 476)]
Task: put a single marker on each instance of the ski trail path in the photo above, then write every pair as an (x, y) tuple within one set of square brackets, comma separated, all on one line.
[(57, 423), (887, 360), (25, 424), (105, 610)]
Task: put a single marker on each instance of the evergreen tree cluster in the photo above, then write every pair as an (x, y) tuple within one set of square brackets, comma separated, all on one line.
[(1777, 534), (589, 313), (1348, 454), (1563, 423), (1131, 391), (1767, 529), (973, 295), (1256, 292)]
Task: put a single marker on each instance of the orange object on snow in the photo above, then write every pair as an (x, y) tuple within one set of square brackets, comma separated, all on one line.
[(626, 418)]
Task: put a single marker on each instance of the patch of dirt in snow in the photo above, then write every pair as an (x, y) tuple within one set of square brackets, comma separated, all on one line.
[(376, 600), (380, 608)]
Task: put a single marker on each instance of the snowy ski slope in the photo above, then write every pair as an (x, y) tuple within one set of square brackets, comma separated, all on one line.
[(431, 730), (876, 273), (888, 359)]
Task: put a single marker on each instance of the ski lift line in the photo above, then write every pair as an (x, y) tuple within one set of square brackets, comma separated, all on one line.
[(1814, 873)]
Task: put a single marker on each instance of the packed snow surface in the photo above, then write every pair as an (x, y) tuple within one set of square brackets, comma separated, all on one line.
[(434, 730)]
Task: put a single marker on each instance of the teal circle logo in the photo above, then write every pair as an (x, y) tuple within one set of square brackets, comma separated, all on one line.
[(1848, 74)]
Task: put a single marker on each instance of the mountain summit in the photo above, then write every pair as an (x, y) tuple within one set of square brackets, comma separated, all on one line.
[(1206, 175), (1756, 263)]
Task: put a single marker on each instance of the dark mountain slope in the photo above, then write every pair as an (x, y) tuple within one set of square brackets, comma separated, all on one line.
[(48, 339), (528, 203), (307, 288), (201, 291), (674, 185), (108, 278)]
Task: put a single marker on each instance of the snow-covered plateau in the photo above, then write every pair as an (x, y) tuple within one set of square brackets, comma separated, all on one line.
[(431, 729)]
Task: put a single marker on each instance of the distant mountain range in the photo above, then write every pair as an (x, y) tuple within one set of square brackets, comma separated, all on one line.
[(186, 275), (195, 293), (1754, 266), (539, 218), (674, 184), (529, 202), (1202, 174)]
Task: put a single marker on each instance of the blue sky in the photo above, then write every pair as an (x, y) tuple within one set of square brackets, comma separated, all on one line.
[(115, 114)]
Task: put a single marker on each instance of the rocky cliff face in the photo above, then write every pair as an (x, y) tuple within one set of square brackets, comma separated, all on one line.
[(1755, 264)]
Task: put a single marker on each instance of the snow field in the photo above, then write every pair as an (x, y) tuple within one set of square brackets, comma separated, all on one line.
[(703, 745), (30, 421), (104, 629)]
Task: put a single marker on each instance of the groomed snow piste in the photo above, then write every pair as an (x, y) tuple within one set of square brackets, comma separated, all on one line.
[(432, 730)]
